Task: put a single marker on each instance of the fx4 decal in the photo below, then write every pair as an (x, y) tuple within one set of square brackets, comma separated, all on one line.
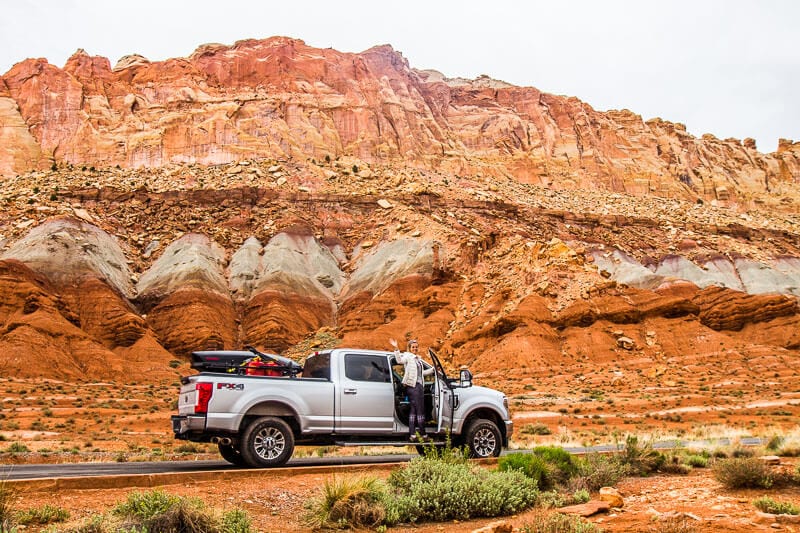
[(230, 386)]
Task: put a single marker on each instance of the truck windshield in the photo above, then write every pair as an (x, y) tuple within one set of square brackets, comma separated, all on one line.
[(318, 366)]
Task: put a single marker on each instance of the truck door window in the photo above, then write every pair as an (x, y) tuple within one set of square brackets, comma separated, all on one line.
[(366, 368)]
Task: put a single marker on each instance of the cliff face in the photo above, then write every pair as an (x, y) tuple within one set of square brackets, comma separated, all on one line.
[(278, 98), (290, 198)]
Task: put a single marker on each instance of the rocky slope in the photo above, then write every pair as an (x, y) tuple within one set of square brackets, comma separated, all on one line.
[(274, 194)]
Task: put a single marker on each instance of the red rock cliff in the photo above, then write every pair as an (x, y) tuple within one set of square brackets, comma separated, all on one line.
[(279, 98)]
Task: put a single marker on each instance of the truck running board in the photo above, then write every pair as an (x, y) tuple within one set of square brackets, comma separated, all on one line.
[(390, 443)]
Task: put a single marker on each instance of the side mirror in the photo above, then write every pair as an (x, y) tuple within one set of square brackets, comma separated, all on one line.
[(465, 377)]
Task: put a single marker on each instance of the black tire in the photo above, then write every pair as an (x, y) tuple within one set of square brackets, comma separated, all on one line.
[(483, 439), (267, 442), (231, 454)]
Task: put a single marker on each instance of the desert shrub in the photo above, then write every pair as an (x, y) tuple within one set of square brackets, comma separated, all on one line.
[(697, 461), (454, 489), (8, 499), (94, 524), (564, 461), (742, 472), (558, 523), (535, 429), (46, 514), (158, 511), (17, 447), (145, 505), (187, 515), (551, 499), (581, 496), (595, 471), (775, 443), (739, 451), (768, 505), (348, 503), (673, 524), (187, 448), (641, 459), (236, 521), (674, 464), (548, 465), (533, 466)]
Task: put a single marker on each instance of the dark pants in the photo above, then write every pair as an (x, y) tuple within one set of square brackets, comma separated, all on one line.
[(416, 418)]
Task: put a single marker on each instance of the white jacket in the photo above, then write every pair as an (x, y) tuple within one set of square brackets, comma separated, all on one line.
[(409, 362)]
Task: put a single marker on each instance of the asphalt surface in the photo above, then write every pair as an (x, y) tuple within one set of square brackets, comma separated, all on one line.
[(69, 470), (61, 470)]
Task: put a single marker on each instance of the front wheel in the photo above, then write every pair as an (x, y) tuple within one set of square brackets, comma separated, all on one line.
[(231, 454), (483, 439), (267, 442)]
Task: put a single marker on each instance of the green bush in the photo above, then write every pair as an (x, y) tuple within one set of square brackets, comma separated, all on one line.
[(743, 473), (533, 466), (46, 514), (697, 461), (187, 515), (535, 429), (348, 503), (548, 465), (768, 505), (453, 489), (775, 443), (158, 511), (581, 496), (641, 459), (145, 505), (236, 521), (564, 461), (17, 447), (595, 471), (8, 498), (558, 523), (674, 464)]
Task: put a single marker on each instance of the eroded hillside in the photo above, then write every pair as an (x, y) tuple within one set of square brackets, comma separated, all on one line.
[(267, 193)]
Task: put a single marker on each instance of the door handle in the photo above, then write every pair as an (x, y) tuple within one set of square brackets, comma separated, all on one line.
[(350, 391)]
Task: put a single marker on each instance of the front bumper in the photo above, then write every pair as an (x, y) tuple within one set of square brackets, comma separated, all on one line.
[(183, 425), (509, 430)]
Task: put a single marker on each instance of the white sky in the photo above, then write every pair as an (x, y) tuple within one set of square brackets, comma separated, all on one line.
[(726, 67)]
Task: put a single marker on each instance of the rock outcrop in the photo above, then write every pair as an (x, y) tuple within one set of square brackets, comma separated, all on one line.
[(273, 194), (280, 98)]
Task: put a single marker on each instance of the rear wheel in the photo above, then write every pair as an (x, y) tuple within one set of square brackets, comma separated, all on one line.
[(483, 439), (231, 454), (268, 441)]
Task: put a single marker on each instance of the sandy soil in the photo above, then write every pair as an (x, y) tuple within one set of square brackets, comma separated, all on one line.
[(276, 503), (50, 421)]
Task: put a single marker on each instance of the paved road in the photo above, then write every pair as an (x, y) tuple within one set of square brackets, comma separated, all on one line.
[(39, 471)]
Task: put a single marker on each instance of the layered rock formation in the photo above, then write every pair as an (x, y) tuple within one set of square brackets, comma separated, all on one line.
[(272, 194), (280, 98)]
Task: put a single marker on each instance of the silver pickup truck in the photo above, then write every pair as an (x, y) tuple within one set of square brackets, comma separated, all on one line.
[(344, 397)]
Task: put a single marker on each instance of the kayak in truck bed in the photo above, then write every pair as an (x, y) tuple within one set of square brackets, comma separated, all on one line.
[(244, 362)]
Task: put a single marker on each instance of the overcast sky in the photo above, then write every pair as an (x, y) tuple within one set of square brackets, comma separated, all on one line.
[(726, 67)]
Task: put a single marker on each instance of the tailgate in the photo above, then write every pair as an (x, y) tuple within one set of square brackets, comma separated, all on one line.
[(188, 398)]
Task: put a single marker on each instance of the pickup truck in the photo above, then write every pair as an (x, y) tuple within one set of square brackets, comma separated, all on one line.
[(342, 396)]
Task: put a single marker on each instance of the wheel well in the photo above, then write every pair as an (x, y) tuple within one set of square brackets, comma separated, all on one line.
[(276, 409), (487, 414)]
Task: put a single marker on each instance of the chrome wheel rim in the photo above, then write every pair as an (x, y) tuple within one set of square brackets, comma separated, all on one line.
[(269, 443), (484, 442)]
